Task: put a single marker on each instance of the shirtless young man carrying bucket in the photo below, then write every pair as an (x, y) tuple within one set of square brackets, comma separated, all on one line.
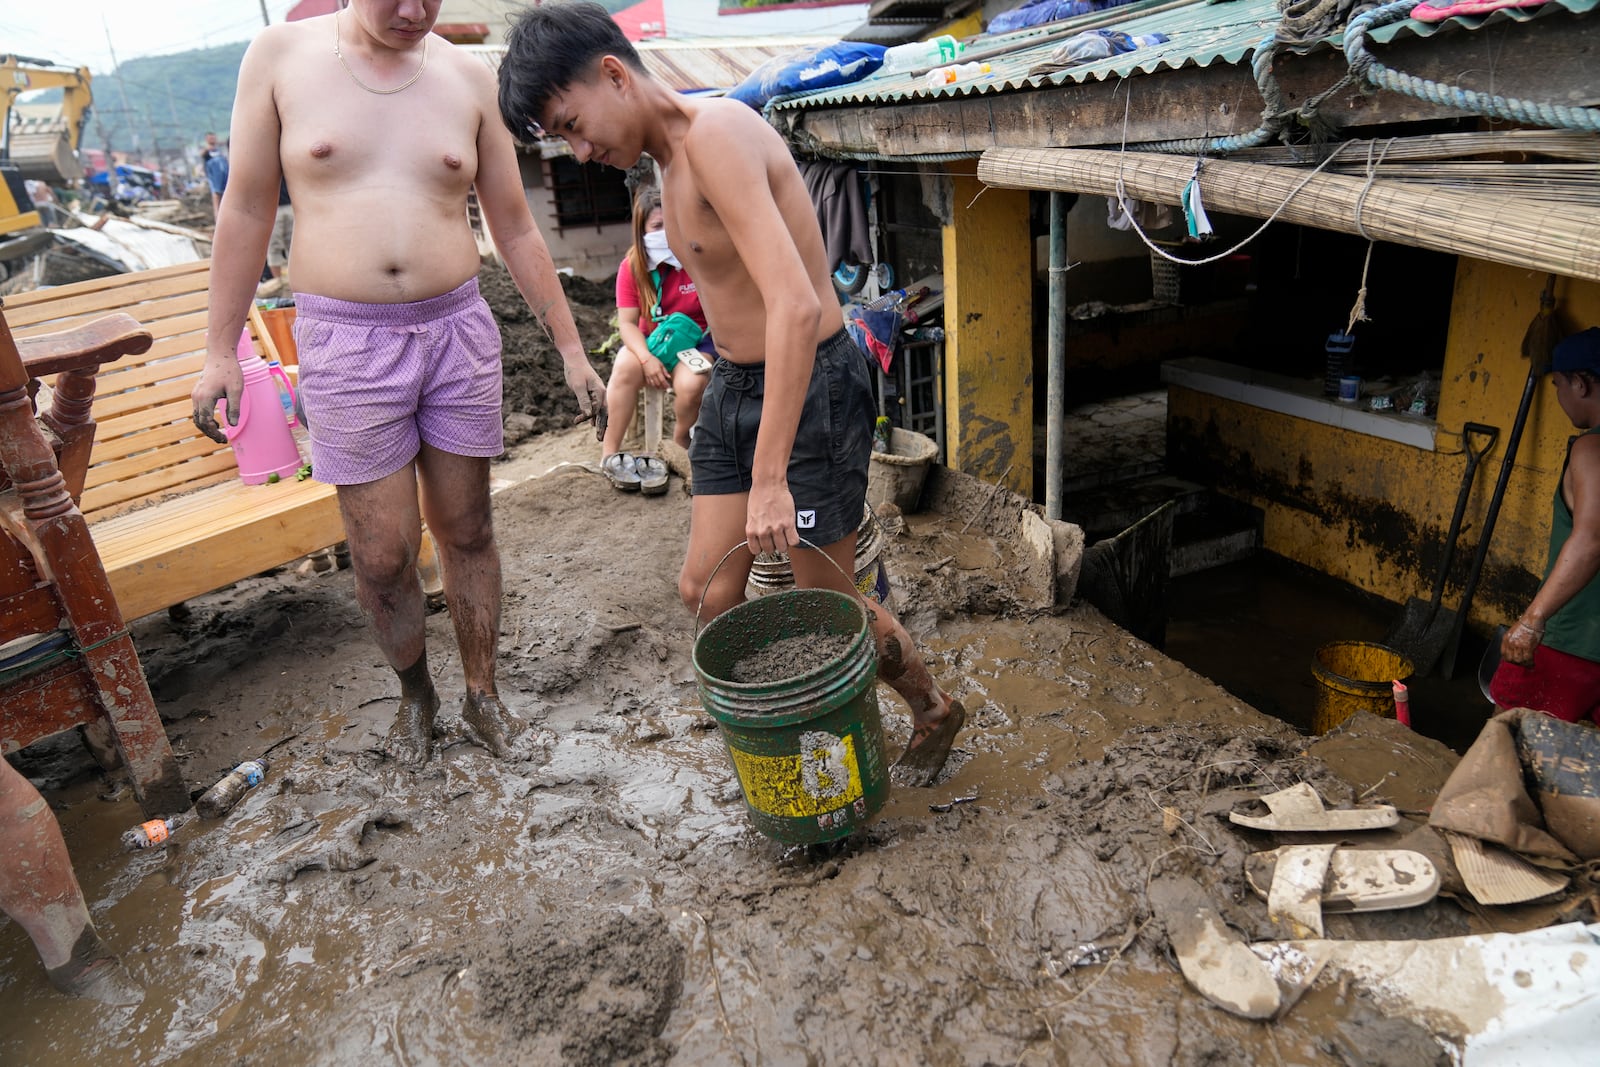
[(784, 437), (381, 129)]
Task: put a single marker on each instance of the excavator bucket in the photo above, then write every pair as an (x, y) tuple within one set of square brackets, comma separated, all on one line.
[(41, 149)]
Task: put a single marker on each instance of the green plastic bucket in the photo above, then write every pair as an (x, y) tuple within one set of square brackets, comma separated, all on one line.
[(808, 750)]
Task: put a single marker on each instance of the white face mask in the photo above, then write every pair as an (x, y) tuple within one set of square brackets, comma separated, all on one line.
[(656, 250)]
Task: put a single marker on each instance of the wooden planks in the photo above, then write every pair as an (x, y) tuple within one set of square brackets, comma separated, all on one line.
[(167, 512), (192, 544)]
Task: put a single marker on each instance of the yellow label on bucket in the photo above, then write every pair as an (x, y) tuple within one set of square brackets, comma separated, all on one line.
[(821, 777)]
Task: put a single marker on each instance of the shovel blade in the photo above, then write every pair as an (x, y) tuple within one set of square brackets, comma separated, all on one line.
[(1410, 628), (1422, 633), (1436, 641)]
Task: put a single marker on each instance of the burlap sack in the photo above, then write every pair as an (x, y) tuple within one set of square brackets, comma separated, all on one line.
[(1486, 796)]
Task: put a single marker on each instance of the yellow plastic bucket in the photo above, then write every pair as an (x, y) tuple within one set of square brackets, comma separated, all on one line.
[(1355, 676)]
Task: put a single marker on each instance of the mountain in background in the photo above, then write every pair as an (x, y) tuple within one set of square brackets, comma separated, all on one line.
[(162, 105), (165, 104)]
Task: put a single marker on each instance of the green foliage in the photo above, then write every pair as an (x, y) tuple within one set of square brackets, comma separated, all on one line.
[(171, 101)]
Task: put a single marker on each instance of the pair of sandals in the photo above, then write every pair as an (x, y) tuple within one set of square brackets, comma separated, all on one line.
[(635, 474)]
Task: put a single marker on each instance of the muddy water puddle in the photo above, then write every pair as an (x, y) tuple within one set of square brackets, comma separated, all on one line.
[(599, 897)]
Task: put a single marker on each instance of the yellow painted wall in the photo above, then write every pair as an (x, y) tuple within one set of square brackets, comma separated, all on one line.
[(1372, 512), (962, 28), (988, 316)]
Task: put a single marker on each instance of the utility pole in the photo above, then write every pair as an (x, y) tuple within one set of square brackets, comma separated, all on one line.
[(265, 21), (121, 87)]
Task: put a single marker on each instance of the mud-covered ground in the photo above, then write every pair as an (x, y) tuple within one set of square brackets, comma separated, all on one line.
[(599, 896), (535, 386)]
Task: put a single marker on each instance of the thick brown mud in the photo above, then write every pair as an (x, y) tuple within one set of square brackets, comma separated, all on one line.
[(598, 896), (791, 657)]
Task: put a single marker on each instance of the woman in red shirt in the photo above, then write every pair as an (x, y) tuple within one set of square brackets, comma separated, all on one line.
[(651, 285)]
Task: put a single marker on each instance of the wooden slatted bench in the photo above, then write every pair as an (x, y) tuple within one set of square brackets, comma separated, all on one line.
[(165, 505)]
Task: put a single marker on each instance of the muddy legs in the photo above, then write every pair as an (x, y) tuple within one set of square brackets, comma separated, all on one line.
[(410, 739), (383, 521), (936, 719), (489, 722)]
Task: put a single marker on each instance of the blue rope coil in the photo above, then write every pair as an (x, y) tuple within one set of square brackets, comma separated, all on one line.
[(1273, 118), (1528, 112)]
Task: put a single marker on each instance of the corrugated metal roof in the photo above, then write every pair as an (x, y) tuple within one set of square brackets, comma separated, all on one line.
[(697, 63), (1202, 34)]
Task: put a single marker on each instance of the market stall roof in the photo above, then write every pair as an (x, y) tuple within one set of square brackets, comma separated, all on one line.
[(699, 63), (1202, 34)]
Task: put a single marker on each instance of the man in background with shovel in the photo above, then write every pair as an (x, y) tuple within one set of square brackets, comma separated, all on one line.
[(1550, 658)]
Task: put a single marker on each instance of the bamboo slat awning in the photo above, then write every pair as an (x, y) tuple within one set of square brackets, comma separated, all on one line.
[(1539, 235)]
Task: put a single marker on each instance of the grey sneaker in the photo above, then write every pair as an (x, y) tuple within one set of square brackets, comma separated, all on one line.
[(619, 471)]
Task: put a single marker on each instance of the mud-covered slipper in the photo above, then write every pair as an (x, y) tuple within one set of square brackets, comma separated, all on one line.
[(619, 471), (922, 761), (652, 475), (1221, 967)]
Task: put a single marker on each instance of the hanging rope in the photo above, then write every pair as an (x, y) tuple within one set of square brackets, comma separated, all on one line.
[(1528, 112), (1358, 311)]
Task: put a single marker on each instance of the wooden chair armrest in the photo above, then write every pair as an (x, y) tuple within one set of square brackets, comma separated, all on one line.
[(84, 348)]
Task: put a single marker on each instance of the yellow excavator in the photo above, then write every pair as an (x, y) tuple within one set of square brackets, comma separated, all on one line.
[(46, 151)]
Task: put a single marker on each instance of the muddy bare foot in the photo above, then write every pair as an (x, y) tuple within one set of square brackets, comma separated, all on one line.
[(410, 739), (490, 723), (94, 973), (930, 746)]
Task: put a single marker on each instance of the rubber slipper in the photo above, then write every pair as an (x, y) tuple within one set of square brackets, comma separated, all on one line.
[(1221, 967), (619, 471), (652, 475), (1301, 882), (919, 765), (1300, 809)]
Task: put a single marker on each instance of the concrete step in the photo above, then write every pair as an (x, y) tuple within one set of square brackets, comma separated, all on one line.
[(1208, 529), (1112, 507), (1087, 481), (1219, 530)]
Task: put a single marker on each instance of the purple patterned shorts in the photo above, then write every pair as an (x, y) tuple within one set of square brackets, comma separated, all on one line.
[(378, 380)]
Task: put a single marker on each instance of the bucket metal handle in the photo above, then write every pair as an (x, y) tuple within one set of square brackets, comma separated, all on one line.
[(745, 544)]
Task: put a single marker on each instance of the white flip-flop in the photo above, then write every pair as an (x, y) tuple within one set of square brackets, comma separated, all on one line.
[(1300, 809), (1301, 882), (1221, 967)]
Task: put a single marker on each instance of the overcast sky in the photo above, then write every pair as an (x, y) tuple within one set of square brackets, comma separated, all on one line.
[(74, 32)]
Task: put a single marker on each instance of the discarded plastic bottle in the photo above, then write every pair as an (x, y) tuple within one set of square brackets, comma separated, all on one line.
[(882, 432), (155, 832), (217, 800), (1402, 703), (903, 57), (959, 72)]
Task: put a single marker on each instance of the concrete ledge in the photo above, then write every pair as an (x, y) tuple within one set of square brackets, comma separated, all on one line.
[(1295, 397)]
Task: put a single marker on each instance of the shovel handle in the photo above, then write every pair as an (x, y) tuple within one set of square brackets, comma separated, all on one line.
[(1469, 430)]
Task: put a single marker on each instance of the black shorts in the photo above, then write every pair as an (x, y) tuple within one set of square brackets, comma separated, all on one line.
[(832, 444)]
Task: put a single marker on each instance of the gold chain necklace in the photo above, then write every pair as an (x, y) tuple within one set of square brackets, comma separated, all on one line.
[(339, 55)]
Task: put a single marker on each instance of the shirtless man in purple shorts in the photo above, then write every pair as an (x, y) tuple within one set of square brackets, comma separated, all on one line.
[(381, 128)]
